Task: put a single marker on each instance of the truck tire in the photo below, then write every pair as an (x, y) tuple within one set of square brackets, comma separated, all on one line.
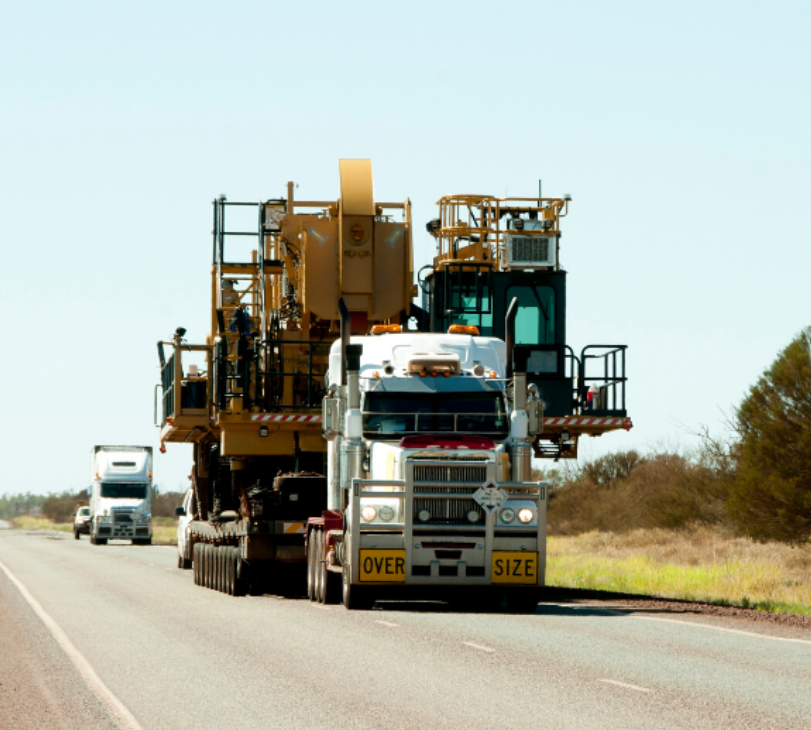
[(207, 560), (332, 587), (221, 550), (213, 554), (219, 575), (320, 567), (226, 569), (184, 562), (355, 598), (311, 553), (240, 584), (196, 563), (232, 563), (76, 534)]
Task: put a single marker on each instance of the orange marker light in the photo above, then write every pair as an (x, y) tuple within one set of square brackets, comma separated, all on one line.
[(463, 329), (380, 329)]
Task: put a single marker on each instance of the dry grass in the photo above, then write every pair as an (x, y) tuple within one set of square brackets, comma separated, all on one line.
[(25, 522), (164, 529), (699, 564)]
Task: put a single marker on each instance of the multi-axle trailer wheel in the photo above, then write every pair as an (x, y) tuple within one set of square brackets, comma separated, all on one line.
[(219, 567)]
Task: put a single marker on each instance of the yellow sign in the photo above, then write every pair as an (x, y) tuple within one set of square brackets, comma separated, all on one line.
[(515, 567), (382, 566)]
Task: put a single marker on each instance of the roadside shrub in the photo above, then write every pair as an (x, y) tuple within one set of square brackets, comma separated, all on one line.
[(771, 496), (163, 505), (62, 507), (627, 491)]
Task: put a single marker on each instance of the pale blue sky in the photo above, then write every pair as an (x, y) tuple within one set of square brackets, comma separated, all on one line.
[(680, 129)]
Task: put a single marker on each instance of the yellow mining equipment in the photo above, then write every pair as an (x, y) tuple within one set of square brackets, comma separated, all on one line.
[(492, 252), (255, 410)]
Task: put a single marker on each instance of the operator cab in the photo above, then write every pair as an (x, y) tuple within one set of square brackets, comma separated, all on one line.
[(493, 251)]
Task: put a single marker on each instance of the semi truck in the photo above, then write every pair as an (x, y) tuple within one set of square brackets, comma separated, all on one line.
[(378, 447), (120, 494)]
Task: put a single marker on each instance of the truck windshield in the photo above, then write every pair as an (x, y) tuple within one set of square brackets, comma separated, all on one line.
[(399, 413), (111, 490)]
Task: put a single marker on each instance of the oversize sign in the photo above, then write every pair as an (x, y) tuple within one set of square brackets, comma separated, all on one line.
[(382, 566), (515, 567)]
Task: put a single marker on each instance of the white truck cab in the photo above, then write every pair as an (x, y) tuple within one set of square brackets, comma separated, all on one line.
[(121, 494), (429, 463)]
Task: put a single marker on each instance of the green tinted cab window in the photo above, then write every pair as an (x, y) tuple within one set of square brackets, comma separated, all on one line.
[(535, 322)]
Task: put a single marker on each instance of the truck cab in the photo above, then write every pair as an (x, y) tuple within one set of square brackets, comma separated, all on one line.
[(428, 464), (121, 494)]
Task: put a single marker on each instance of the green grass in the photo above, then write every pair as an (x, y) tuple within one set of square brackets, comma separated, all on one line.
[(694, 566)]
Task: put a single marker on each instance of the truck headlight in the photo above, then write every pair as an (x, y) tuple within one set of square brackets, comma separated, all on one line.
[(386, 513), (368, 513), (526, 515), (424, 515), (507, 515), (474, 516)]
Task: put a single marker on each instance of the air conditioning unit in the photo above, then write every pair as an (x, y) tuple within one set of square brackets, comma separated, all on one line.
[(531, 252)]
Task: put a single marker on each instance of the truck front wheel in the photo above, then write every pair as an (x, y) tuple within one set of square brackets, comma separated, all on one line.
[(355, 597)]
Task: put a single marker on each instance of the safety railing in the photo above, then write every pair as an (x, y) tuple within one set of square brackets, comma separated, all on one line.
[(607, 385)]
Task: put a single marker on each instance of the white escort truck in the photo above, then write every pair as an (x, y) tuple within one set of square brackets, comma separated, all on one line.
[(121, 494), (429, 472)]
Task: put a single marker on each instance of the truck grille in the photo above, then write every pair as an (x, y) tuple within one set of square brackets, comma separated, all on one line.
[(122, 517), (475, 474), (432, 479), (447, 511)]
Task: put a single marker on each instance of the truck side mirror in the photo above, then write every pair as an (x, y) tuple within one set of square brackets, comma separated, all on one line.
[(180, 511)]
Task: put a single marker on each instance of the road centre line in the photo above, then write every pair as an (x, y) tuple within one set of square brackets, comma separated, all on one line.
[(626, 685), (387, 623), (478, 646), (123, 717), (721, 628)]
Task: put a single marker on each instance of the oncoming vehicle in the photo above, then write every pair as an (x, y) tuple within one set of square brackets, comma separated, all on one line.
[(121, 494), (81, 523)]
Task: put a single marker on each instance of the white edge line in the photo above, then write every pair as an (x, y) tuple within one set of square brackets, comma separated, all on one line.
[(721, 628), (387, 623), (626, 685), (104, 694), (478, 646)]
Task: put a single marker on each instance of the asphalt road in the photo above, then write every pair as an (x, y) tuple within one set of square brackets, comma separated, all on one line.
[(116, 636)]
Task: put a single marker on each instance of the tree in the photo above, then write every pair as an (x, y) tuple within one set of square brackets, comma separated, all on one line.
[(771, 496)]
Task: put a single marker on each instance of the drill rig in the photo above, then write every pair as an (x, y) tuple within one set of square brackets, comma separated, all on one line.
[(253, 413)]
